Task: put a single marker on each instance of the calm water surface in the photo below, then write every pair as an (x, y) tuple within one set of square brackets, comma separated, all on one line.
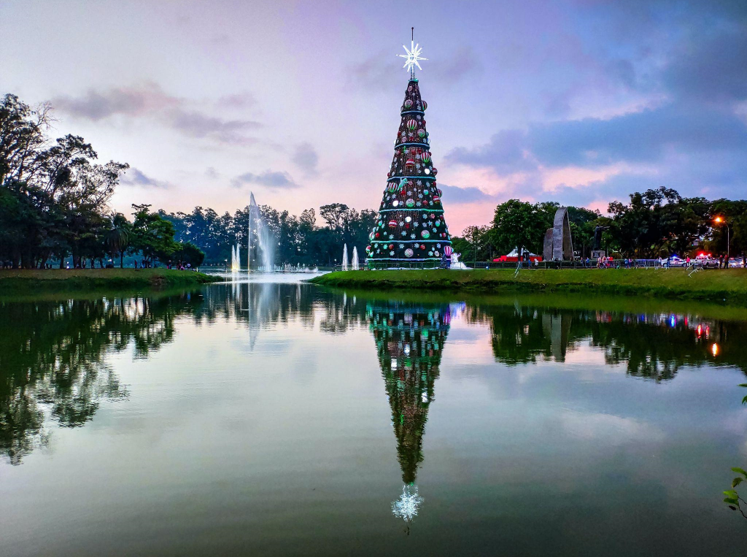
[(282, 419)]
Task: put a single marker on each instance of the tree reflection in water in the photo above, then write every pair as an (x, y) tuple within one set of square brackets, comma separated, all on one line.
[(409, 341), (52, 360), (53, 367), (652, 346)]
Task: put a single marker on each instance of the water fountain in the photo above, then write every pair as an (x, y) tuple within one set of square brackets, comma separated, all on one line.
[(235, 261), (265, 240), (345, 257), (355, 264)]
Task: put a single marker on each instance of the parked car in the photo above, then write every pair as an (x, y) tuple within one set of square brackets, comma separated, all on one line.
[(676, 261)]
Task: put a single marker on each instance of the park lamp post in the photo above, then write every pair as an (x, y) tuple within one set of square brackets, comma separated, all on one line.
[(722, 220)]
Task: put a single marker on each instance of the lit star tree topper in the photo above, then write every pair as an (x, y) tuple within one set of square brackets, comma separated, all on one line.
[(413, 56), (408, 504)]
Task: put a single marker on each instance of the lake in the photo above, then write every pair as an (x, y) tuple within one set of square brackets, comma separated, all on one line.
[(270, 418)]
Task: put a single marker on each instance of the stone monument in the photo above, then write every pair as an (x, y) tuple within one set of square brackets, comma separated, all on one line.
[(558, 242)]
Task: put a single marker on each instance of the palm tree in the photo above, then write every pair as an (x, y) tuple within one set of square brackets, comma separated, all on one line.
[(118, 238)]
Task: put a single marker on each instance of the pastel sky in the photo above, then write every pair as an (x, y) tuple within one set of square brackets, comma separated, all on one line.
[(575, 101)]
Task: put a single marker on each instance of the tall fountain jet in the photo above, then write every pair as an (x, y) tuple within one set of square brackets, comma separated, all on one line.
[(252, 203), (264, 237), (235, 261), (355, 264), (345, 258)]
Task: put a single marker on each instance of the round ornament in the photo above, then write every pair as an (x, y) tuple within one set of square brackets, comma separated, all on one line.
[(412, 124), (425, 104), (421, 133), (410, 202), (408, 103), (448, 251), (408, 252), (425, 234)]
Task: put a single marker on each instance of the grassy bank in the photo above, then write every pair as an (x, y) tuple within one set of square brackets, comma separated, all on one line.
[(27, 280), (712, 285)]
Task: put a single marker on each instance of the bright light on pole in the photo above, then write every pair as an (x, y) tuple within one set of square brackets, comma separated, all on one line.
[(720, 220)]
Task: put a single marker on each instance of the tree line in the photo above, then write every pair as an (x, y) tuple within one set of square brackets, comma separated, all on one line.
[(54, 208), (54, 201), (298, 240), (654, 223)]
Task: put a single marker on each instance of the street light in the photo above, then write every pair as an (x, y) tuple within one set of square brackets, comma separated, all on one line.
[(722, 220)]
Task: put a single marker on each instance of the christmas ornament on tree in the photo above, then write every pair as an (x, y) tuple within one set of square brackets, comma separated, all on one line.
[(411, 198)]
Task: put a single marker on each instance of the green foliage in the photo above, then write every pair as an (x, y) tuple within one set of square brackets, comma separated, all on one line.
[(118, 237), (298, 240), (717, 286), (733, 229), (658, 223), (732, 497), (519, 224), (52, 199), (152, 235), (655, 223), (189, 254)]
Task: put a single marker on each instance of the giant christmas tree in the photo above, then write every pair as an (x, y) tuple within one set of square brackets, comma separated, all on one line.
[(410, 230)]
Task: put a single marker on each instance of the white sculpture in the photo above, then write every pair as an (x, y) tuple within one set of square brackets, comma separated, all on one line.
[(455, 263)]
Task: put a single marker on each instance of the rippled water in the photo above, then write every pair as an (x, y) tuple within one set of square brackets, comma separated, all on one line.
[(283, 419)]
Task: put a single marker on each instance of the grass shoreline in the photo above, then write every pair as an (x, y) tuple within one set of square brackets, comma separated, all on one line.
[(711, 285), (28, 280)]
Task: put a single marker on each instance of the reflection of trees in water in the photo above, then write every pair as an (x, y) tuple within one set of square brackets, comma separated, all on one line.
[(653, 346), (52, 360), (522, 335), (409, 341), (262, 305)]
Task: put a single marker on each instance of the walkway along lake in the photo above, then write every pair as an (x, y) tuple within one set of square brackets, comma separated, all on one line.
[(286, 419)]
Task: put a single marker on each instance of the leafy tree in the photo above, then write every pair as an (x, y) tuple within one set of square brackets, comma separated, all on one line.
[(657, 222), (152, 235), (518, 224), (734, 215), (474, 244), (118, 238), (188, 253), (21, 138)]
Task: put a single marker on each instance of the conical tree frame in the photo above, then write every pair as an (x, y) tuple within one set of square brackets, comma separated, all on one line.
[(410, 230)]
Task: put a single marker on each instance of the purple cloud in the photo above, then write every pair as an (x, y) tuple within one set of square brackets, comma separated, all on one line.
[(269, 179)]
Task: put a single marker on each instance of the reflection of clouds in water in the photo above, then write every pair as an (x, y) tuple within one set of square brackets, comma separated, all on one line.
[(607, 429)]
